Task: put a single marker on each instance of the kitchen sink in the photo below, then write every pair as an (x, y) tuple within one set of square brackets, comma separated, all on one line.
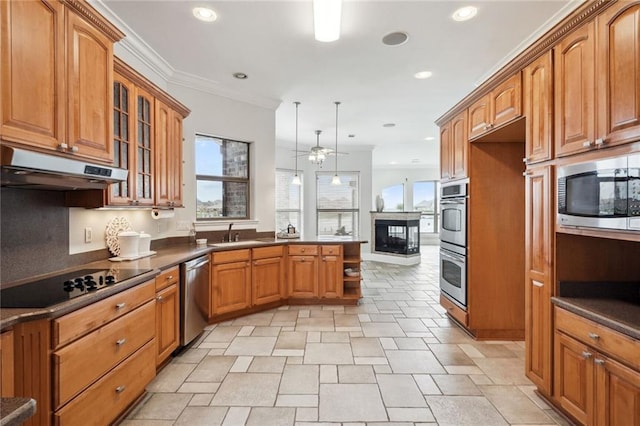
[(236, 243)]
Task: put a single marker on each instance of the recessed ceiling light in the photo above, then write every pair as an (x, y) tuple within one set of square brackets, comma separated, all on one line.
[(429, 138), (464, 13), (205, 14), (395, 39), (389, 125), (423, 74), (240, 75)]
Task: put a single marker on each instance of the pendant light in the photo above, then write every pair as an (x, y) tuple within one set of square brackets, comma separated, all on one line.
[(336, 178), (296, 179)]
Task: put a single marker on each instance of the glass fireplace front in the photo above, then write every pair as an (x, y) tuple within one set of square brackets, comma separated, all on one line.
[(397, 236)]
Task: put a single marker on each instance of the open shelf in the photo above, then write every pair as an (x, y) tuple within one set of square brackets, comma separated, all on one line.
[(352, 259), (351, 293), (347, 279)]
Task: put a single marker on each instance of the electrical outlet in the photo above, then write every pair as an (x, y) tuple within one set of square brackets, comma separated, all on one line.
[(182, 225), (88, 235)]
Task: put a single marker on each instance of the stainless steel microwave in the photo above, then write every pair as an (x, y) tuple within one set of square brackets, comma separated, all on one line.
[(600, 194)]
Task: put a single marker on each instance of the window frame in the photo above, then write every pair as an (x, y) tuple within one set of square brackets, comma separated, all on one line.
[(356, 210), (436, 205), (224, 179), (300, 211)]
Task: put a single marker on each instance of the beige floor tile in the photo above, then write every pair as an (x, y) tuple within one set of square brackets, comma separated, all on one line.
[(449, 333), (334, 337), (412, 325), (356, 374), (450, 354), (370, 360), (170, 378), (315, 324), (133, 422), (249, 389), (410, 415), (163, 406), (202, 416), (414, 362), (400, 390), (529, 391), (291, 340), (266, 331), (382, 329), (297, 401), (388, 343), (199, 387), (411, 343), (328, 353), (497, 350), (290, 353), (366, 346), (480, 379), (267, 364), (382, 318), (241, 365), (295, 360), (514, 405), (212, 369), (344, 320), (261, 318), (351, 403), (456, 385), (222, 334), (284, 316), (201, 400), (246, 330), (426, 384), (470, 350), (300, 379), (190, 356), (321, 314), (251, 346), (307, 414), (328, 374), (236, 416), (503, 371), (464, 410), (382, 369), (271, 416)]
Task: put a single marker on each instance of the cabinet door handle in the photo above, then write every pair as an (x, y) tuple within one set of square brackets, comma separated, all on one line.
[(73, 149), (586, 144), (120, 305), (537, 284), (599, 361), (170, 277), (524, 160), (600, 142), (586, 355), (594, 336), (120, 388), (121, 342), (160, 299), (62, 146)]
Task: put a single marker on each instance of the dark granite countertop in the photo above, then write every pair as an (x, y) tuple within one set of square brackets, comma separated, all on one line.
[(164, 258), (616, 314), (14, 411)]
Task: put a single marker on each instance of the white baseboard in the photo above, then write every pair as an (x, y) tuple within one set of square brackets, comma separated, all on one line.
[(396, 260)]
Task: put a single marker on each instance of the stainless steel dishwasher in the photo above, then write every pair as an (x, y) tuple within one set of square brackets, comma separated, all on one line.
[(194, 289)]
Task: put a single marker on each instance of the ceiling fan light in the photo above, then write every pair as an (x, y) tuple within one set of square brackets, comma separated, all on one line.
[(326, 19), (336, 180)]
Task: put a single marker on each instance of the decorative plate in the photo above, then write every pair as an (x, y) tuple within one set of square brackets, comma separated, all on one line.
[(114, 227)]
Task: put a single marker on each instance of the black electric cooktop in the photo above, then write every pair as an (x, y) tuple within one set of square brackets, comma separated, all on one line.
[(51, 291)]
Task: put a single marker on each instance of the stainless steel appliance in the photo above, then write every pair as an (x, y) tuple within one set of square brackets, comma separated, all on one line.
[(61, 288), (600, 194), (33, 170), (194, 287), (453, 241)]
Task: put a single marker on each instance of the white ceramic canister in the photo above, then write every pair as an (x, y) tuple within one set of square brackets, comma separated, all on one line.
[(129, 243), (144, 245)]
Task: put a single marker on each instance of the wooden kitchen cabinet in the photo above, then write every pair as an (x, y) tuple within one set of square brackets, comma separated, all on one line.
[(500, 106), (454, 148), (446, 168), (574, 78), (168, 156), (303, 271), (267, 275), (63, 104), (124, 149), (230, 281), (167, 313), (7, 375), (539, 232), (618, 393), (538, 109), (618, 74), (330, 272), (351, 259)]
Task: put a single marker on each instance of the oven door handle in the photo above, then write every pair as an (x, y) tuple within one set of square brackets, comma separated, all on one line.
[(451, 256), (452, 201)]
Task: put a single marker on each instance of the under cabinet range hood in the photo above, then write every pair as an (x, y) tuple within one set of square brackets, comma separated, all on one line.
[(33, 170)]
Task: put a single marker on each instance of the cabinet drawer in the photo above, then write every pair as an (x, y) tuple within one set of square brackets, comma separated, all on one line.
[(230, 256), (106, 399), (77, 365), (599, 337), (454, 310), (298, 250), (167, 278), (333, 250), (267, 252), (82, 321)]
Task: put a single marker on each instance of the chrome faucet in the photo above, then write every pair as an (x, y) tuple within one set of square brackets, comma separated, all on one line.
[(229, 232)]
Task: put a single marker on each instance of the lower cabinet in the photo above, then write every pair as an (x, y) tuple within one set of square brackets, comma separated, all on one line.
[(331, 285), (589, 384), (267, 275), (6, 364), (303, 271), (167, 313), (230, 281)]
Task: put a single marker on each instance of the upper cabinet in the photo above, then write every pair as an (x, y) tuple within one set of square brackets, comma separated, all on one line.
[(168, 156), (618, 74), (500, 106), (454, 148), (575, 91), (445, 152), (56, 75), (538, 109)]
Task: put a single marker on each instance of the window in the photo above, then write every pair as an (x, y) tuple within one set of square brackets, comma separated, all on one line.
[(288, 201), (337, 206), (425, 200), (393, 197), (222, 178)]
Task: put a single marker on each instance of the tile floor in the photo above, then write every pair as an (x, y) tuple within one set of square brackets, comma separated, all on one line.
[(393, 360)]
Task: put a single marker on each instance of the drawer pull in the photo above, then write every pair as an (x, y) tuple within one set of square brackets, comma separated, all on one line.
[(120, 305), (586, 355), (594, 336), (537, 284), (302, 250), (159, 298), (120, 389), (599, 361), (121, 342), (169, 277), (599, 142), (586, 144)]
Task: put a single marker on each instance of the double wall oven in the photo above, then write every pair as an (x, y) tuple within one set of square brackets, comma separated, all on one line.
[(453, 241)]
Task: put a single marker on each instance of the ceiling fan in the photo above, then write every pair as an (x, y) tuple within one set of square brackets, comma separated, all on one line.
[(318, 153)]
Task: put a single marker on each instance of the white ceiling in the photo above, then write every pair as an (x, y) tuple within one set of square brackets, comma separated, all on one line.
[(272, 42)]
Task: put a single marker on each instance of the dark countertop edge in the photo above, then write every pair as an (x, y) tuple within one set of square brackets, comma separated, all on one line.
[(16, 410), (166, 257), (591, 313)]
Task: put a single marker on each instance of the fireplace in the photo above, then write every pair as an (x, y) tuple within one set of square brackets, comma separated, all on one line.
[(397, 236)]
